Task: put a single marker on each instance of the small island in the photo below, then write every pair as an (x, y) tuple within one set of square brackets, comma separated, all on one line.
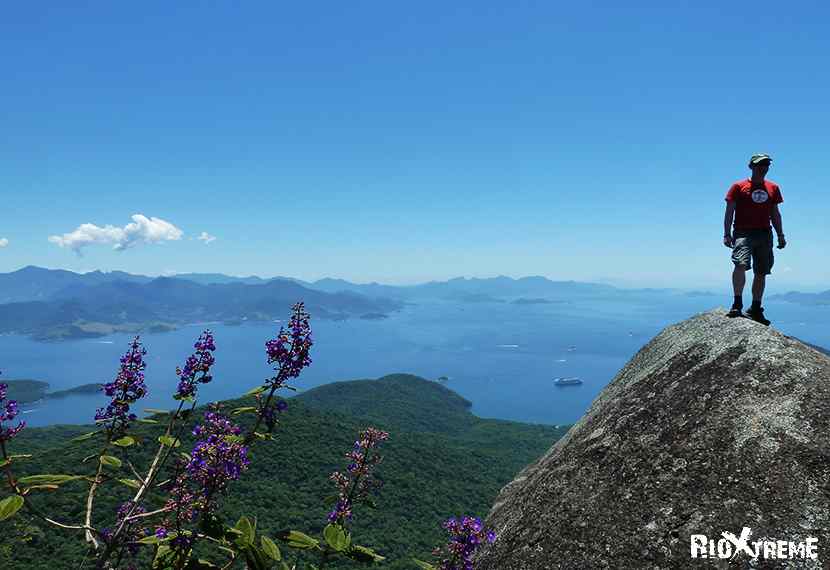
[(26, 391), (374, 316), (161, 328), (93, 388), (533, 301)]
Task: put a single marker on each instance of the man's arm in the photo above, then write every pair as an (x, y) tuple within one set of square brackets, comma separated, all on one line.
[(775, 217), (727, 223)]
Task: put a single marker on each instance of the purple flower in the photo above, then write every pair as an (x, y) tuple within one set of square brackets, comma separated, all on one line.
[(466, 535), (199, 364), (290, 350), (126, 389), (8, 412), (359, 482), (218, 457)]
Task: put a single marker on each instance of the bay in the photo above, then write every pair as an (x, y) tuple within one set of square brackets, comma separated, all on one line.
[(500, 356)]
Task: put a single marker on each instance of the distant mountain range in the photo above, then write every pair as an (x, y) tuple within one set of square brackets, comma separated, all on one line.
[(38, 284), (53, 304)]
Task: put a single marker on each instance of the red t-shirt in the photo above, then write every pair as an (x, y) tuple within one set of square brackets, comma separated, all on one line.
[(753, 206)]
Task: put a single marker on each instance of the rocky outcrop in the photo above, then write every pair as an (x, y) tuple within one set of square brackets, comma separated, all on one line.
[(715, 425)]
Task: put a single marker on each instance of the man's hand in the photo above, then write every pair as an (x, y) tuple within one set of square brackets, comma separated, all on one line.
[(728, 242), (782, 243)]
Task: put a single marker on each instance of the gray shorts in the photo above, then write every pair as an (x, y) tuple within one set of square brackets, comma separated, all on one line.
[(753, 247)]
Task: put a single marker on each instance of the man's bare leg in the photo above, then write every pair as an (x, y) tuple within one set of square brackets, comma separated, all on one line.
[(759, 281), (739, 280), (756, 312)]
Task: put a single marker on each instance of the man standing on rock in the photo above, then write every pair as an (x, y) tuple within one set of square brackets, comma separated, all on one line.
[(753, 203)]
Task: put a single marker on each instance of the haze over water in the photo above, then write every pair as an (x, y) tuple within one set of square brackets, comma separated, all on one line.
[(500, 356)]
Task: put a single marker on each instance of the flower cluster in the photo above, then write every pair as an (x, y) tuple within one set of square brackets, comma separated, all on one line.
[(197, 363), (290, 350), (466, 535), (358, 483), (127, 387), (133, 530), (8, 412), (218, 457)]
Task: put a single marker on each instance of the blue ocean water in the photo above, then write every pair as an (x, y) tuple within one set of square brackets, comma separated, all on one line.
[(501, 356)]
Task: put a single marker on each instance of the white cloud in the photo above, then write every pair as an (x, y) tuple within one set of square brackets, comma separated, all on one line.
[(206, 237), (4, 242), (142, 230)]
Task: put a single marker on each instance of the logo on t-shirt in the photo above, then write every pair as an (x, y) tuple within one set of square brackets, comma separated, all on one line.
[(759, 196)]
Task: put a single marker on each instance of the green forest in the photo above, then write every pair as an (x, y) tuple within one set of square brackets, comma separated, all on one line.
[(439, 461)]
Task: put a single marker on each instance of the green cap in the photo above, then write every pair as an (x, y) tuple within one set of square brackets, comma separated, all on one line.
[(759, 158)]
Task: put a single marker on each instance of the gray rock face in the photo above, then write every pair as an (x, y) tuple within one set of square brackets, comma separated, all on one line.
[(715, 425)]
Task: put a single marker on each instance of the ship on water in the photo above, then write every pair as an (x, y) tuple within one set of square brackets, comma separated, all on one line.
[(570, 381)]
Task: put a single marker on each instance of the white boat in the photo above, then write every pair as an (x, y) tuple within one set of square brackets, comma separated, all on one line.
[(570, 381)]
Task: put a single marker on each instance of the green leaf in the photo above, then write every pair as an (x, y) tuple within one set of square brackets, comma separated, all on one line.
[(111, 461), (125, 441), (13, 457), (424, 565), (130, 483), (255, 559), (284, 566), (243, 410), (270, 548), (48, 479), (38, 487), (297, 539), (169, 441), (9, 506), (153, 539), (85, 436), (335, 537), (156, 411), (165, 558), (255, 391), (364, 554), (200, 564), (146, 421), (248, 530)]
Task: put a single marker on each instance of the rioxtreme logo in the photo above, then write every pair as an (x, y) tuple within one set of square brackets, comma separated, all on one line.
[(731, 546)]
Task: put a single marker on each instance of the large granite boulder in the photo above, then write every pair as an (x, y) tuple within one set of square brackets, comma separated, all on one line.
[(715, 425)]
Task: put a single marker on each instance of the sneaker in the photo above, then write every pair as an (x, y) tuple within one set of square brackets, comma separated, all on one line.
[(757, 315), (734, 312)]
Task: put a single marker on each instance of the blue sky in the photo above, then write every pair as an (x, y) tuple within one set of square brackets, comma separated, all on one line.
[(405, 142)]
